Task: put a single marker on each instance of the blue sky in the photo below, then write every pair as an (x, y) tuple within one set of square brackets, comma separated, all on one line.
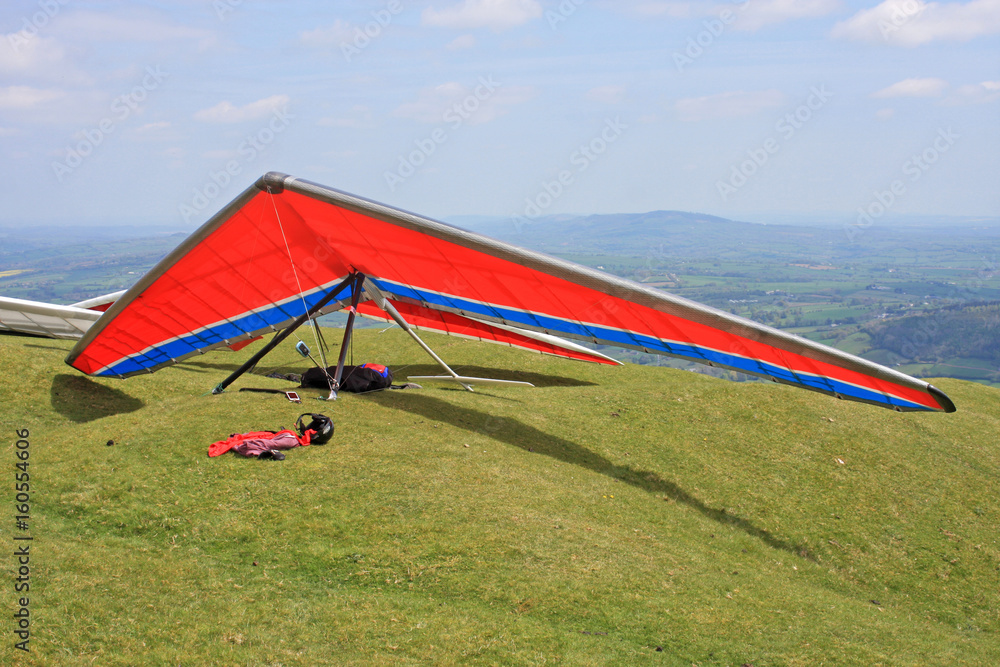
[(161, 112)]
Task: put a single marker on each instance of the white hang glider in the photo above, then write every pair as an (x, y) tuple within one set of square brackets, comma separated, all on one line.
[(50, 320)]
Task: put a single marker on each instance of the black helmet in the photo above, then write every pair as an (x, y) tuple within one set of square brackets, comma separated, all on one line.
[(320, 424)]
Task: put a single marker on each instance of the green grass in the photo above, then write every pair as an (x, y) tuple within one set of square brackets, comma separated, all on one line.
[(591, 520)]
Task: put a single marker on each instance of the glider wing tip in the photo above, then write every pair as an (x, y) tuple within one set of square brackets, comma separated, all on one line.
[(942, 398)]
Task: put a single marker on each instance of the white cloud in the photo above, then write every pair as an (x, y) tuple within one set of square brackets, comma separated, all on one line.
[(38, 105), (745, 14), (174, 152), (495, 14), (154, 127), (675, 10), (220, 155), (432, 103), (36, 57), (330, 36), (915, 22), (727, 105), (226, 112), (607, 94), (26, 98), (928, 87), (158, 133), (460, 43), (342, 155), (360, 118), (976, 93), (479, 104), (135, 25), (756, 14)]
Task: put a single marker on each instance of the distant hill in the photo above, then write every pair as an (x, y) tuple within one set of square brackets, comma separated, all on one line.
[(961, 330), (697, 235), (670, 232)]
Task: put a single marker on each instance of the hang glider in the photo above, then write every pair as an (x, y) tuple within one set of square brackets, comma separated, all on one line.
[(287, 249), (50, 320)]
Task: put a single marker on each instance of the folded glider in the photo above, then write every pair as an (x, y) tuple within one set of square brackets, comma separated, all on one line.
[(284, 244), (50, 320)]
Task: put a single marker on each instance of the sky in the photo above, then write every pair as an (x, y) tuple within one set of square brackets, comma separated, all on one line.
[(160, 113)]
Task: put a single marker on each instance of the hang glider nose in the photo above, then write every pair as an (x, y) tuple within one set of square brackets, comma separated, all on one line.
[(281, 245)]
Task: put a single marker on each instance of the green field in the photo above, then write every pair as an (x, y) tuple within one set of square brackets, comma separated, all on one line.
[(630, 515)]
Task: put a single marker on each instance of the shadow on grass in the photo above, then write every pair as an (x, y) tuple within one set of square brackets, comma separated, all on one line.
[(298, 366), (205, 367), (261, 369), (537, 379), (80, 399), (529, 438), (45, 347)]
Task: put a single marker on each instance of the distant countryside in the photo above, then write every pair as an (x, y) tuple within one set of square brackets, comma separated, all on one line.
[(918, 294)]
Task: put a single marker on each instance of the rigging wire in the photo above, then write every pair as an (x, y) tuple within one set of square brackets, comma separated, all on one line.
[(295, 273), (322, 338)]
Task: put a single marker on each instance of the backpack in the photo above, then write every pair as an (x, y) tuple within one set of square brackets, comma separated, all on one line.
[(355, 379)]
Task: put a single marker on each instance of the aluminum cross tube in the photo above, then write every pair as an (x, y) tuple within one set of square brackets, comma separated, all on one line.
[(282, 335)]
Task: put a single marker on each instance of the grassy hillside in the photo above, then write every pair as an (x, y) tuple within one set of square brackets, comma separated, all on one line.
[(632, 515)]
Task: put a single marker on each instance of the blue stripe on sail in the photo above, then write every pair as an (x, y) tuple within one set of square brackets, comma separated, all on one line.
[(611, 336), (263, 319), (239, 327)]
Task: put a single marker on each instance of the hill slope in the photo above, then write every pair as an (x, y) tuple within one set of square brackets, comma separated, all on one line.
[(605, 515)]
